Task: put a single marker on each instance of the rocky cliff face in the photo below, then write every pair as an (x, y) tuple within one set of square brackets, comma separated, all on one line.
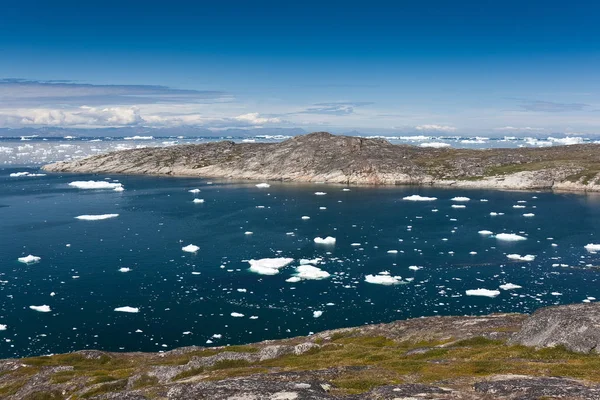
[(425, 358), (322, 157)]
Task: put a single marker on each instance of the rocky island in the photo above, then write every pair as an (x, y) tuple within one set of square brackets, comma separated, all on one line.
[(551, 354), (323, 157)]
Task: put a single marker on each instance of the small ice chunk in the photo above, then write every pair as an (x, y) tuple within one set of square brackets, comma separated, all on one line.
[(96, 217), (190, 248), (510, 286), (124, 269), (392, 251), (320, 193), (305, 217), (529, 215), (329, 240), (591, 247), (198, 201), (262, 185), (269, 266), (3, 327), (518, 257), (237, 315), (127, 309), (510, 237), (460, 199), (95, 185), (293, 279), (458, 206), (311, 272), (416, 197), (317, 314), (483, 292), (194, 190), (30, 259), (248, 233), (43, 308), (485, 232), (383, 278), (414, 268)]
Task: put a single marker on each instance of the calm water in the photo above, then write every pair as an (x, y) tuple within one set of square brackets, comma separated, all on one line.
[(187, 299)]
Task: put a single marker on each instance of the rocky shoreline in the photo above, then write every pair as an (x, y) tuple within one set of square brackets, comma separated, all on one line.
[(326, 158), (551, 354)]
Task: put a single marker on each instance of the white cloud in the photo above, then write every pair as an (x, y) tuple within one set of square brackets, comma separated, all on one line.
[(436, 128), (517, 129), (256, 119)]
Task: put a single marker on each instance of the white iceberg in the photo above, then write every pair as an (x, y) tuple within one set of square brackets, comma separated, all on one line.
[(95, 185), (592, 247), (237, 315), (311, 272), (127, 309), (510, 286), (43, 308), (317, 314), (483, 292), (510, 237), (96, 217), (460, 199), (320, 193), (194, 190), (190, 248), (416, 197), (383, 278), (124, 269), (197, 201), (262, 185), (30, 259), (518, 257), (269, 266), (329, 240), (485, 232)]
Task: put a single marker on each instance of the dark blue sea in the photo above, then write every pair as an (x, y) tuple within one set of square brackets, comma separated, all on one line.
[(430, 254)]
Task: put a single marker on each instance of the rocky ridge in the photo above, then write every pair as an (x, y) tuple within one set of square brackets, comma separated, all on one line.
[(322, 157), (486, 357)]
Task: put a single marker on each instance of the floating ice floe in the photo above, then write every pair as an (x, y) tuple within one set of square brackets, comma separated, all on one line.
[(127, 309), (314, 261), (414, 268), (96, 185), (3, 327), (383, 278), (124, 269), (416, 197), (190, 248), (510, 237), (392, 251), (460, 199), (483, 292), (591, 247), (317, 314), (510, 286), (329, 240), (345, 190), (30, 259), (485, 232), (269, 266), (23, 174), (236, 315), (96, 217), (194, 190), (458, 206), (519, 257), (293, 279), (43, 308), (248, 233), (529, 215), (311, 272), (262, 185), (305, 217), (198, 201), (320, 193)]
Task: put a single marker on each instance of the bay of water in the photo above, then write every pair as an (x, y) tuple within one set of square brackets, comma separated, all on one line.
[(188, 298)]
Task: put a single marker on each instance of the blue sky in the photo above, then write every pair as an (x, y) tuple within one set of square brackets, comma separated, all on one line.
[(460, 67)]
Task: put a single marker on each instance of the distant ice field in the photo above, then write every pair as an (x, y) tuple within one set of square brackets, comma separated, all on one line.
[(30, 150), (147, 269)]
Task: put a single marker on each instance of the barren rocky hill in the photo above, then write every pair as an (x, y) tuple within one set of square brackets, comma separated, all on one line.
[(552, 354), (322, 157)]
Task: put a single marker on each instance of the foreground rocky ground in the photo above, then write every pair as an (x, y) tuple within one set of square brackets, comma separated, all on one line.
[(322, 157), (552, 354)]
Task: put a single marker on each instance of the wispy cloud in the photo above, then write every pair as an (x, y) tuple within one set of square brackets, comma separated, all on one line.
[(337, 108), (519, 129), (31, 93), (552, 107), (435, 128)]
